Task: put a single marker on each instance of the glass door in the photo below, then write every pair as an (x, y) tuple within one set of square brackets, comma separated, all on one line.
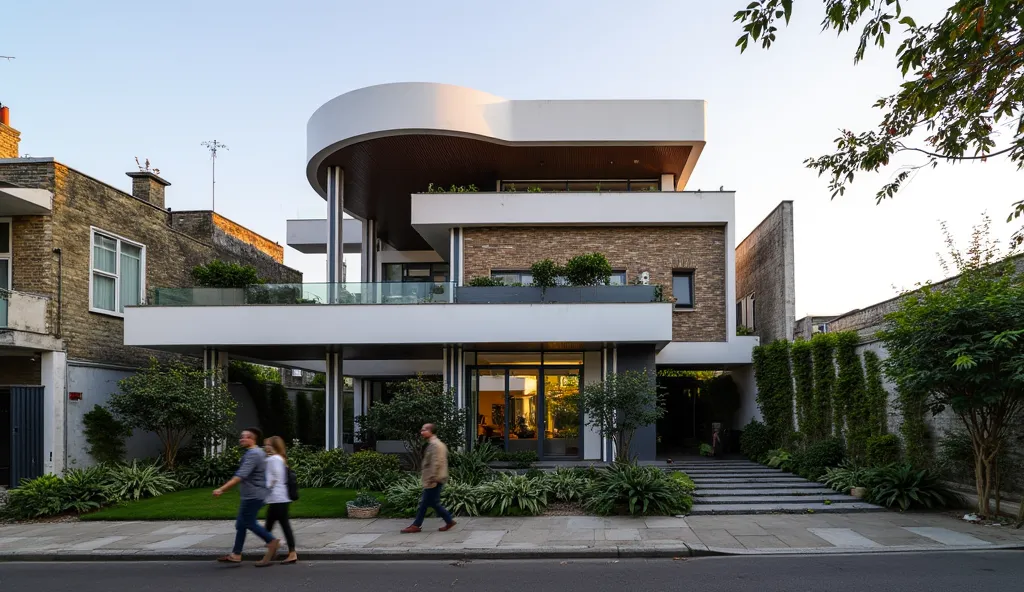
[(488, 406), (522, 402), (562, 417)]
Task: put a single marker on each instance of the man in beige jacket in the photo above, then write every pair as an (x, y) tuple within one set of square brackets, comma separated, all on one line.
[(433, 476)]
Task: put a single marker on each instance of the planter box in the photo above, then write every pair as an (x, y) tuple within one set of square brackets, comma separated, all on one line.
[(859, 492), (557, 294)]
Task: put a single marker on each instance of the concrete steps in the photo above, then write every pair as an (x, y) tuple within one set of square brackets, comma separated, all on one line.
[(743, 487)]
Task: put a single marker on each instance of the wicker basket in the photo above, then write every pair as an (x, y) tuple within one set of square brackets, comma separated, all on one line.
[(357, 512)]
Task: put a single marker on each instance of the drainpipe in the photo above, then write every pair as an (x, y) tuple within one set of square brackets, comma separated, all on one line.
[(60, 292)]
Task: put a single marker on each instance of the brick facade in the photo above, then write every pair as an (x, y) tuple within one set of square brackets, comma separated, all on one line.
[(656, 250), (9, 140), (81, 202), (765, 270), (21, 370)]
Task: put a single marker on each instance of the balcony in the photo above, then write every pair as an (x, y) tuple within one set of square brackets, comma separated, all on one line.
[(311, 317), (23, 312)]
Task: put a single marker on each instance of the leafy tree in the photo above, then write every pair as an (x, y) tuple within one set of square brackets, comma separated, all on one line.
[(961, 343), (218, 274), (105, 435), (963, 89), (620, 405), (175, 403), (415, 402)]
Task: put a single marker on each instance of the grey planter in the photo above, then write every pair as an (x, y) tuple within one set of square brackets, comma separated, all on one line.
[(498, 295), (555, 295)]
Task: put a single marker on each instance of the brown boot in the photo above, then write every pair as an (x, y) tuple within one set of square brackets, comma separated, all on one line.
[(447, 527), (411, 529)]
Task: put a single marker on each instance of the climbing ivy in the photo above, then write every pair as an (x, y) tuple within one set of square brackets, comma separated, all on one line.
[(775, 389), (913, 428), (878, 398), (849, 404), (803, 377), (822, 350)]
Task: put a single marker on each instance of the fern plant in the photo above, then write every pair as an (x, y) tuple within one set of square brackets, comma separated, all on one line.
[(462, 499), (140, 480), (566, 485), (86, 489), (637, 490), (906, 487), (513, 495)]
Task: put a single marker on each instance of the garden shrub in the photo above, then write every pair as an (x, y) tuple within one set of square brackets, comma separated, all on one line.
[(847, 476), (36, 498), (513, 495), (316, 468), (684, 480), (461, 499), (913, 427), (883, 450), (303, 419), (105, 435), (369, 469), (907, 487), (218, 274), (486, 282), (755, 441), (545, 273), (468, 467), (589, 269), (849, 407), (403, 496), (520, 459), (775, 389), (822, 355), (637, 490), (812, 462), (566, 485), (137, 480), (88, 489), (780, 459), (706, 449), (209, 471), (281, 421)]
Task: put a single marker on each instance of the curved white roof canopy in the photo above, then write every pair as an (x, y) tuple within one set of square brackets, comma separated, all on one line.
[(395, 139)]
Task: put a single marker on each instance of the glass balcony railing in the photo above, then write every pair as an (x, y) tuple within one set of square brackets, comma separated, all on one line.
[(399, 293)]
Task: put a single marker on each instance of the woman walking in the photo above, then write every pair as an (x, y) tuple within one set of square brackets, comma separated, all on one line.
[(278, 501)]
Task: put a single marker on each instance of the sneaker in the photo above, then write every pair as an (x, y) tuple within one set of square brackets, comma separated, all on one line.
[(411, 529), (447, 527)]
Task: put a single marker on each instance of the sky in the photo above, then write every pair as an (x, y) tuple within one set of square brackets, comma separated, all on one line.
[(97, 84)]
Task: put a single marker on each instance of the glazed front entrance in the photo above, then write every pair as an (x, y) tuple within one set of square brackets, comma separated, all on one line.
[(521, 402)]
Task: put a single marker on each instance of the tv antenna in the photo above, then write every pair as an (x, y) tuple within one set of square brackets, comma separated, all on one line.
[(213, 146), (8, 58)]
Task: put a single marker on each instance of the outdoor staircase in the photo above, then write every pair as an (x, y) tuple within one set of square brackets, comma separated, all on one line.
[(745, 487)]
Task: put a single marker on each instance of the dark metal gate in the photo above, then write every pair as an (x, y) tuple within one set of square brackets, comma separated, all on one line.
[(26, 433)]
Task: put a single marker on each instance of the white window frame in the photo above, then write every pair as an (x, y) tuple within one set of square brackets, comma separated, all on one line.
[(10, 251), (93, 231)]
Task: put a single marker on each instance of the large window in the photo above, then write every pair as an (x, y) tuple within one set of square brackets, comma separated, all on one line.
[(5, 255), (682, 289), (416, 272), (525, 278), (118, 276)]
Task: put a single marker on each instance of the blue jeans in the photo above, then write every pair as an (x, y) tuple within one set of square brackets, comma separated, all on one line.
[(246, 520), (432, 499)]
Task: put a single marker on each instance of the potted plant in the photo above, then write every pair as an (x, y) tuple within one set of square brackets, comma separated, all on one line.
[(363, 506), (859, 492)]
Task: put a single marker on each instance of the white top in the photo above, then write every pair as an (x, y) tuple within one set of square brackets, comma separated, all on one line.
[(277, 480)]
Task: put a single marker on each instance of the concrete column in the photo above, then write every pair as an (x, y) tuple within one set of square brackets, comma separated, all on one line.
[(369, 251), (358, 387), (333, 400), (335, 242), (54, 366)]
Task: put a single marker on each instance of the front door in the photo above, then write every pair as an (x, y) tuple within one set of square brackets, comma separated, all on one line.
[(5, 437)]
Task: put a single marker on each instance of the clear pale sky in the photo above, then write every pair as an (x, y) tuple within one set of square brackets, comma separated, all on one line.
[(95, 84)]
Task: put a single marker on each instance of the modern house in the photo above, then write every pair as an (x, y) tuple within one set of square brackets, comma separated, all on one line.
[(448, 184), (75, 254)]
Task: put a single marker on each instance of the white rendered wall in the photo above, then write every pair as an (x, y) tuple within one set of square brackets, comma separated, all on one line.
[(591, 436)]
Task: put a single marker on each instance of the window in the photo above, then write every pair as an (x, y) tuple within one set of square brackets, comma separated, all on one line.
[(745, 312), (118, 273), (416, 272), (5, 253), (682, 288)]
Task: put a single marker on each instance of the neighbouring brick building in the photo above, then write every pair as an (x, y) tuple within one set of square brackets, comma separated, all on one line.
[(77, 253)]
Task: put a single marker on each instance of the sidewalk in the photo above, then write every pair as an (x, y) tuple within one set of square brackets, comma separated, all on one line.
[(552, 537)]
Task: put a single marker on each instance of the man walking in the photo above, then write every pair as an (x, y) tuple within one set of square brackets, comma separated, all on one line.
[(433, 477), (252, 474)]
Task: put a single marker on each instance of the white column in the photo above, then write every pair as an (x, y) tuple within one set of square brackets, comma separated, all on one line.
[(335, 242), (333, 400), (369, 251), (54, 378), (358, 386)]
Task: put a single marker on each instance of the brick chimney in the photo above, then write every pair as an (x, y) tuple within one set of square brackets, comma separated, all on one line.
[(148, 187), (9, 137)]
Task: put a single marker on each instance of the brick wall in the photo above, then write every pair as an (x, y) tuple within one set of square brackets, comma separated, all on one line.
[(765, 268), (234, 241), (81, 202), (656, 250), (9, 139), (21, 370), (243, 234)]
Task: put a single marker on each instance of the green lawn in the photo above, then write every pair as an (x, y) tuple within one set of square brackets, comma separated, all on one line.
[(199, 504)]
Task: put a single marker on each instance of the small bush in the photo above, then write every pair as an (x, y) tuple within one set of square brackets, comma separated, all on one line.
[(780, 459), (86, 489), (706, 450), (637, 490), (369, 469), (486, 282), (364, 500), (461, 499), (907, 487), (684, 480), (566, 485), (105, 435), (590, 269), (209, 471), (470, 467), (883, 450), (755, 441), (521, 459), (403, 496), (140, 480), (817, 457), (513, 495), (545, 273), (847, 476), (36, 498), (316, 468)]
